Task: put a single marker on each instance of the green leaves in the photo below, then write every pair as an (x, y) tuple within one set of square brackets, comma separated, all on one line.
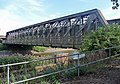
[(102, 38)]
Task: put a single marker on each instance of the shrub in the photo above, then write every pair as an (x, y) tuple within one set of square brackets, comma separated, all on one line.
[(102, 38), (2, 47), (14, 59)]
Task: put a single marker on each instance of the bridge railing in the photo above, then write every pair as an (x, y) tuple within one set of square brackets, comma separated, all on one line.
[(37, 70)]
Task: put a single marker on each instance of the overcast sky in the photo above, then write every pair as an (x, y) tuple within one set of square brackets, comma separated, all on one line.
[(15, 14)]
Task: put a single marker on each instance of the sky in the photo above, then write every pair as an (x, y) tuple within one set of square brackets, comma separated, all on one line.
[(15, 14)]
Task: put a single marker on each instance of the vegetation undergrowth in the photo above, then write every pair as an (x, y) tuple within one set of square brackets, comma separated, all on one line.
[(14, 59), (52, 79), (2, 47)]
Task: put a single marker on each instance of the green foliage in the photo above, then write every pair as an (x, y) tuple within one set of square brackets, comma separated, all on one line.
[(13, 78), (0, 81), (39, 48), (44, 82), (54, 78), (102, 38), (14, 59), (2, 47)]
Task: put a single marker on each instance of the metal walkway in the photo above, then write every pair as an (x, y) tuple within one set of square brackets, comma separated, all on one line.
[(66, 31)]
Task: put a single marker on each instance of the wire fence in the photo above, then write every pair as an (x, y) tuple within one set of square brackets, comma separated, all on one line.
[(48, 69)]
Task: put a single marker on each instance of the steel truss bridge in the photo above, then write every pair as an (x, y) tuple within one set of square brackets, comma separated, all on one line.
[(66, 31)]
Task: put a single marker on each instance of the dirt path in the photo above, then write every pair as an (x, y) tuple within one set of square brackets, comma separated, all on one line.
[(106, 75), (50, 51)]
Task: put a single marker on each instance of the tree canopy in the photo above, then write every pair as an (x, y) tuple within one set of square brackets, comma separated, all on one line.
[(102, 38)]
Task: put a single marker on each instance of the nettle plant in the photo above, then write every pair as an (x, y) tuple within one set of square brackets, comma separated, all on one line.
[(102, 38)]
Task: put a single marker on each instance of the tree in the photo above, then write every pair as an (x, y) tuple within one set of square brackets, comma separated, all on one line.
[(102, 38), (115, 4)]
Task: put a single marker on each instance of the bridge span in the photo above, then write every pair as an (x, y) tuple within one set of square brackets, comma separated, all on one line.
[(66, 31)]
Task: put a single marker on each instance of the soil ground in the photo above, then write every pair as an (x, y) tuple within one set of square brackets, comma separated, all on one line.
[(53, 50), (106, 75)]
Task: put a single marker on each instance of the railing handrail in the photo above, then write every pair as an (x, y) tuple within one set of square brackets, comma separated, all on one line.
[(26, 62), (78, 65)]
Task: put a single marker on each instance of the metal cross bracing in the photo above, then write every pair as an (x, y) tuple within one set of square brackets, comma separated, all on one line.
[(114, 21), (66, 31)]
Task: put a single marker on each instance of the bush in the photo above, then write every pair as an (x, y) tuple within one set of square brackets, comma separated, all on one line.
[(2, 47), (39, 48), (14, 59), (102, 38)]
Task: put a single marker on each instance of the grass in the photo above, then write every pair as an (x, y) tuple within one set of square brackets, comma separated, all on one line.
[(39, 48)]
